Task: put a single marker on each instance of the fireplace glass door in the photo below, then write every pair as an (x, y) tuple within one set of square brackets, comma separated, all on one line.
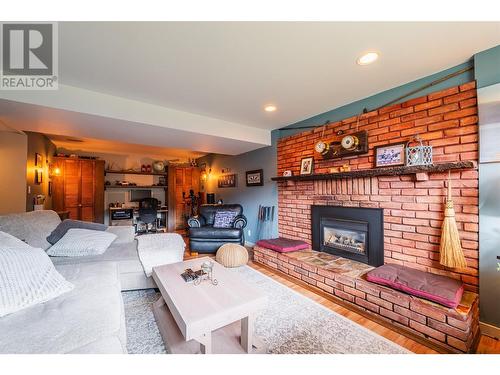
[(350, 236)]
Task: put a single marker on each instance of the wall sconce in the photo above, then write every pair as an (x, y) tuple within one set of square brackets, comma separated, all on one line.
[(206, 175), (54, 170)]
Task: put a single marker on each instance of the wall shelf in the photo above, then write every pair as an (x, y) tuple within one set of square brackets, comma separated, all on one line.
[(136, 172), (387, 171)]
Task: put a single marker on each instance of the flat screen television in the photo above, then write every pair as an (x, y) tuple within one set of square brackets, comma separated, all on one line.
[(138, 195)]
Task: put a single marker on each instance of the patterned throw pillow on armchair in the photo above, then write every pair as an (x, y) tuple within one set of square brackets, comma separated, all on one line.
[(224, 219)]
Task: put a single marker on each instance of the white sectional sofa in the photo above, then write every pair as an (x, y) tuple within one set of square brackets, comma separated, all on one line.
[(34, 227), (88, 319)]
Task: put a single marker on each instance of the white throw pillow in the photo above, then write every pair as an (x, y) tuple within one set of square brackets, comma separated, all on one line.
[(27, 276), (82, 242)]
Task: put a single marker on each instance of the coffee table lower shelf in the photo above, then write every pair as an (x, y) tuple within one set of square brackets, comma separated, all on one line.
[(225, 340)]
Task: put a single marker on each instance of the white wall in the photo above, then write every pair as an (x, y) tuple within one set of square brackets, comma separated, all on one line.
[(13, 153)]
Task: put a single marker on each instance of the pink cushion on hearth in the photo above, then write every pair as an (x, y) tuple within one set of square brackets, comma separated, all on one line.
[(440, 289), (283, 245)]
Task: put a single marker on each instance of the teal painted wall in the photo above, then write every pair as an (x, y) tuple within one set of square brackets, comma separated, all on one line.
[(384, 97), (487, 67), (265, 158)]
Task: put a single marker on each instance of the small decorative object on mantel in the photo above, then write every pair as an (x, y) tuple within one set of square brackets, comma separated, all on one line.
[(287, 173), (343, 145), (306, 166), (390, 155), (255, 178), (450, 249), (418, 155)]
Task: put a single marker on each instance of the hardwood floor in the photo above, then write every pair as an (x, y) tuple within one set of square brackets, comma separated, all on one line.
[(487, 345)]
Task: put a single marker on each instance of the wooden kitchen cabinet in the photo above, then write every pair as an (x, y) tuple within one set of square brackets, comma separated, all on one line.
[(184, 179), (79, 188)]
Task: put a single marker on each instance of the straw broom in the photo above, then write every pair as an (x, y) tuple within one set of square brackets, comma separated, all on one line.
[(451, 254)]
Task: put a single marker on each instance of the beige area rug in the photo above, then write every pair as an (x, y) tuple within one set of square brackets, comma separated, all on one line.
[(290, 324)]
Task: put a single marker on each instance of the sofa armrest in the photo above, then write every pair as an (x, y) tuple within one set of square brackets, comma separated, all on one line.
[(240, 222), (124, 234), (196, 221)]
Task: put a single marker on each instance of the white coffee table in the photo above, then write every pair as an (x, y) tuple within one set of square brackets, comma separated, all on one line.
[(205, 317)]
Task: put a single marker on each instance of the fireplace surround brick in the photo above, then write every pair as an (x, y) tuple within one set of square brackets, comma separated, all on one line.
[(452, 330), (413, 209), (413, 213)]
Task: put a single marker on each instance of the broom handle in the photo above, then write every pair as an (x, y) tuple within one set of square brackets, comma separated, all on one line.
[(449, 185)]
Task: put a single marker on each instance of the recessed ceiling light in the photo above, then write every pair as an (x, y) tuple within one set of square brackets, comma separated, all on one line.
[(270, 108), (367, 58)]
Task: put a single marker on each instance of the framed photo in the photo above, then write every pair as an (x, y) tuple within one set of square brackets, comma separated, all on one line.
[(38, 176), (255, 178), (306, 165), (227, 181), (390, 155), (38, 160)]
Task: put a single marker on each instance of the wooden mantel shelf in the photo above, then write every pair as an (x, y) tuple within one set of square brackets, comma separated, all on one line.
[(388, 171)]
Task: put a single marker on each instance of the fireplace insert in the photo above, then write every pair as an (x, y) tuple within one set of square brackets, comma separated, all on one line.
[(350, 232)]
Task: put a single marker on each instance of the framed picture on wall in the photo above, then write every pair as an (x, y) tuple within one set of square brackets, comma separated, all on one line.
[(306, 165), (390, 155), (227, 181), (255, 178), (38, 160), (38, 176)]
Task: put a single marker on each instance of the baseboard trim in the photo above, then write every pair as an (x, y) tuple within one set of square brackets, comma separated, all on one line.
[(490, 330)]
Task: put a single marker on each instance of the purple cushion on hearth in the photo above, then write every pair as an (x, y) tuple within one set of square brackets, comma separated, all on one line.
[(440, 289), (283, 245)]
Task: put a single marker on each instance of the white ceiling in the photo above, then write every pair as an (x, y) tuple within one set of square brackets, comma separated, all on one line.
[(91, 145), (55, 121), (226, 72), (230, 70)]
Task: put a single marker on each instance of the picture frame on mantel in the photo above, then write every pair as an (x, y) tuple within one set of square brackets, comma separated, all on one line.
[(307, 166), (255, 177), (391, 155)]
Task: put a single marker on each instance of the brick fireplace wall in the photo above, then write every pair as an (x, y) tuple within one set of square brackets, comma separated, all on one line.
[(413, 210)]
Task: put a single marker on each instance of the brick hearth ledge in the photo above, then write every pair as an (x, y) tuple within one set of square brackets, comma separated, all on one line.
[(450, 330)]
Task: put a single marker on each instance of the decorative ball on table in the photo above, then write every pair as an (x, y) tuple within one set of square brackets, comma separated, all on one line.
[(232, 255)]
